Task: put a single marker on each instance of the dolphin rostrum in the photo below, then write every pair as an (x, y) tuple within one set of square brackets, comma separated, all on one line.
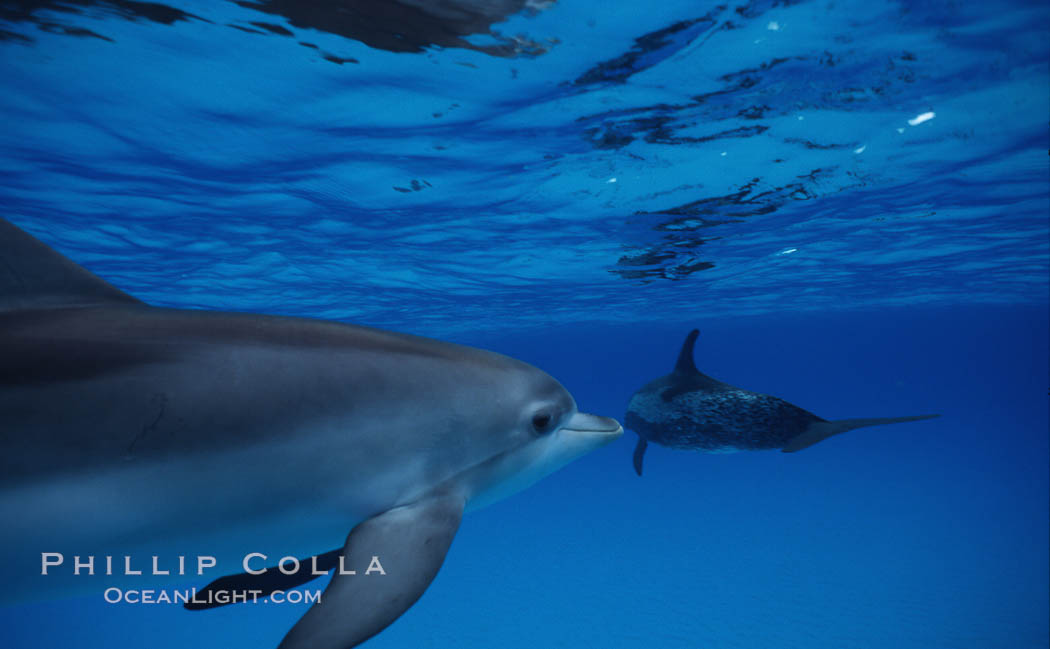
[(129, 429), (689, 410)]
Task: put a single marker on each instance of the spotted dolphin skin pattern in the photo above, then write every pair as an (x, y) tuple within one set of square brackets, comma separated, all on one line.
[(689, 410)]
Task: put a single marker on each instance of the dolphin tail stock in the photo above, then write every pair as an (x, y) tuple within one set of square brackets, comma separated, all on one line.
[(411, 541), (639, 454), (821, 430)]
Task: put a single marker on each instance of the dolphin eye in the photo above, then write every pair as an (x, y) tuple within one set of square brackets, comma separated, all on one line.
[(541, 422)]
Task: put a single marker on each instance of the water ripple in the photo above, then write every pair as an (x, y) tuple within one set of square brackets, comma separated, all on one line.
[(537, 164)]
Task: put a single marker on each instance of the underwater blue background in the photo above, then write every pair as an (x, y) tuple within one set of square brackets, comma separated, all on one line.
[(601, 180)]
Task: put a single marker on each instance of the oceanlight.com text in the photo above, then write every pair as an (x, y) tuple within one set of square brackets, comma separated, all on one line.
[(190, 596)]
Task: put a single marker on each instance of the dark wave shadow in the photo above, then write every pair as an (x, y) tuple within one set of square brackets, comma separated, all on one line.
[(391, 25), (408, 25), (681, 230), (29, 11)]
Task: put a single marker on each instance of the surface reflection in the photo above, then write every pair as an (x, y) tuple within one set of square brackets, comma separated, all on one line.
[(392, 25)]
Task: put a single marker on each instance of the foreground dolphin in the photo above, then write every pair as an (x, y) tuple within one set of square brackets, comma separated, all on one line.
[(128, 428), (690, 410)]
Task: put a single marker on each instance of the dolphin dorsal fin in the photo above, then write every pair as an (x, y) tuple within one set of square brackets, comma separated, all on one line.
[(33, 276), (685, 364)]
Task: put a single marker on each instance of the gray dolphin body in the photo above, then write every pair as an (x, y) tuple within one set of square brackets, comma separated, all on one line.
[(689, 410), (129, 429)]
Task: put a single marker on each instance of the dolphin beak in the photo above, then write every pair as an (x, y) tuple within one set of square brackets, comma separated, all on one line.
[(593, 426)]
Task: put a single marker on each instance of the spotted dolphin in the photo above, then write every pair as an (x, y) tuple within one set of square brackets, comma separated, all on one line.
[(689, 410), (128, 428)]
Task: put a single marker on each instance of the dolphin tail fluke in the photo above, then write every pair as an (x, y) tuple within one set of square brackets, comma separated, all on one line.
[(821, 430), (639, 453), (410, 544)]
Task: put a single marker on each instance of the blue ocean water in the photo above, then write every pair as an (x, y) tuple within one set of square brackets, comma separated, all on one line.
[(849, 199)]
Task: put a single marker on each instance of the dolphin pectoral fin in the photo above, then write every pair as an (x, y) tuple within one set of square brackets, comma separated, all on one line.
[(410, 543), (639, 453), (821, 430), (269, 581)]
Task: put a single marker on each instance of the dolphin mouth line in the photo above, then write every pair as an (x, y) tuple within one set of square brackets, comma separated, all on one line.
[(593, 424)]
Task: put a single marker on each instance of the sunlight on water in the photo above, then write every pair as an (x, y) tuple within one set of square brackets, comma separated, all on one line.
[(626, 158)]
